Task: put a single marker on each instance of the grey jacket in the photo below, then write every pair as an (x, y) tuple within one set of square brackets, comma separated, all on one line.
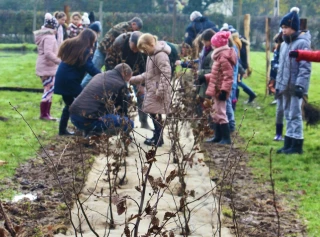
[(292, 73)]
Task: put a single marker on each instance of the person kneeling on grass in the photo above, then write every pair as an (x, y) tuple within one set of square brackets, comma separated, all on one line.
[(102, 104)]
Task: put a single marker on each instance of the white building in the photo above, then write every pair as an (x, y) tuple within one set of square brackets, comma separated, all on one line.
[(225, 7)]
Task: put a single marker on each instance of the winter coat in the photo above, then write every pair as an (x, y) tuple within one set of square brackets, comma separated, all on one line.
[(121, 52), (309, 56), (197, 26), (205, 66), (94, 100), (157, 78), (47, 61), (112, 34), (61, 34), (69, 77), (74, 30), (291, 72), (221, 76)]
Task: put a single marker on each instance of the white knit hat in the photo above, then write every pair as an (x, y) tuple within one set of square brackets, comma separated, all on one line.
[(225, 26), (85, 19), (195, 15)]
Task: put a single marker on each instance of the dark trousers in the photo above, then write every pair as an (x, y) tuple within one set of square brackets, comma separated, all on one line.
[(68, 100), (157, 123), (109, 123)]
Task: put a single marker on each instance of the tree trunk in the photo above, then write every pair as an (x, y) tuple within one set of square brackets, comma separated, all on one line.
[(34, 24)]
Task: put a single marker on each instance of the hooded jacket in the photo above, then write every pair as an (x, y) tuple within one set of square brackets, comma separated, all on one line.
[(94, 101), (69, 77), (47, 61), (291, 72), (157, 78), (197, 26), (221, 76)]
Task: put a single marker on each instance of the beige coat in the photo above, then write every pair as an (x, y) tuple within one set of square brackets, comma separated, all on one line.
[(157, 79)]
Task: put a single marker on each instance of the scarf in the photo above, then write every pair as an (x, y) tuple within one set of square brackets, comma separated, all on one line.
[(290, 38), (60, 35)]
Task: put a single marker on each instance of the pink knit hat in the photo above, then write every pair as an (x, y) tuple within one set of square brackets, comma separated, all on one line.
[(220, 39)]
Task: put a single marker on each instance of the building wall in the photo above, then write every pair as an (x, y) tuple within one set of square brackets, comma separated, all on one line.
[(225, 7)]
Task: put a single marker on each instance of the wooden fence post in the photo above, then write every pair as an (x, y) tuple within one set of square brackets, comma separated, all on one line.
[(66, 10), (303, 24), (246, 24)]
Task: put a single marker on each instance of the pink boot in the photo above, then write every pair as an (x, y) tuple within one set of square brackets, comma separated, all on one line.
[(44, 108)]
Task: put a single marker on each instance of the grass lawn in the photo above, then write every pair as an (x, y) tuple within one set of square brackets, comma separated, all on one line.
[(17, 142), (297, 176)]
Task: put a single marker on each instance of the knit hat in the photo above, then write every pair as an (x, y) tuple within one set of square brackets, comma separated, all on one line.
[(50, 21), (195, 15), (292, 19), (96, 26), (232, 29), (138, 21), (91, 17), (85, 19), (134, 37), (225, 27), (220, 39)]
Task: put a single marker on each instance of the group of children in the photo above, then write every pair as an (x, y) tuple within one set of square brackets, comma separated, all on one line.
[(222, 65)]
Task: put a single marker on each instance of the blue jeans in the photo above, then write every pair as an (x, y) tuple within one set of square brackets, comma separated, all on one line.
[(246, 88), (108, 123), (230, 115), (293, 114), (98, 62)]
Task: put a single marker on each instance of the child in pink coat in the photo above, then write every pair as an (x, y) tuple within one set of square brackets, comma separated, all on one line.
[(220, 84), (47, 62)]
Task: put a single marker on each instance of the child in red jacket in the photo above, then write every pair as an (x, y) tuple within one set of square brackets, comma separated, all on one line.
[(220, 84)]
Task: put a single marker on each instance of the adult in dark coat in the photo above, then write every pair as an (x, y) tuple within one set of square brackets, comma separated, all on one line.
[(102, 105), (124, 49), (198, 24), (76, 61)]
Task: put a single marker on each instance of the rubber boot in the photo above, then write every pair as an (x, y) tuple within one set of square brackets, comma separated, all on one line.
[(48, 112), (296, 147), (143, 118), (286, 146), (278, 136), (217, 134), (64, 122), (157, 139), (225, 134), (43, 111)]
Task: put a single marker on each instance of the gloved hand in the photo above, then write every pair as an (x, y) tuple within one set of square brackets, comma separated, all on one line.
[(201, 79), (294, 54), (223, 96), (298, 92)]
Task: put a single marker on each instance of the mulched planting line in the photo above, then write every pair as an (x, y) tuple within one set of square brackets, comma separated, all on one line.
[(252, 201), (48, 214)]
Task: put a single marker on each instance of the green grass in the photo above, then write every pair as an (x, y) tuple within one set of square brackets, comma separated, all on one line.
[(17, 142), (297, 176), (18, 47)]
